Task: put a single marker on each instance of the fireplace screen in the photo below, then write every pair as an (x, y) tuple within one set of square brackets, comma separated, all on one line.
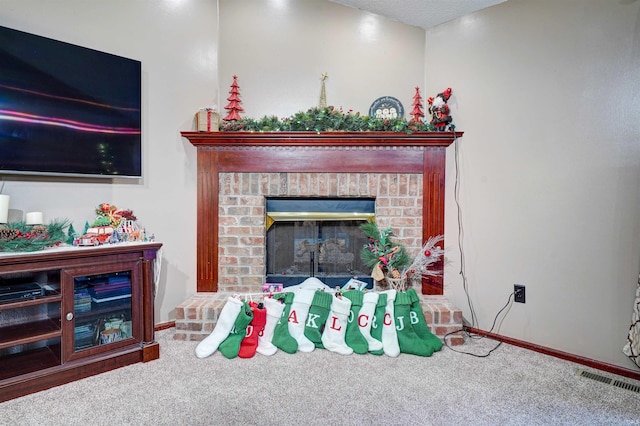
[(321, 244)]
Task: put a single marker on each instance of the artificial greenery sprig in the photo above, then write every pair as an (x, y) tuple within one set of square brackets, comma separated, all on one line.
[(381, 252), (327, 119), (20, 237)]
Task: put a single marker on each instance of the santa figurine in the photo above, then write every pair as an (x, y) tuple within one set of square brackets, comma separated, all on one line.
[(439, 110)]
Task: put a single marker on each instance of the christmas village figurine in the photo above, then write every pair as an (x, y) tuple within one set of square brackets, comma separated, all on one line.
[(439, 110), (112, 225)]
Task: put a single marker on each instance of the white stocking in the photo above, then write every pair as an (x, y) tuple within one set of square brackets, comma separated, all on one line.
[(389, 334), (274, 312), (336, 326), (298, 317), (226, 320), (365, 319)]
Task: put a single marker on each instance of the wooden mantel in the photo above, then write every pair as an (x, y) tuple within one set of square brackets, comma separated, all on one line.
[(327, 152)]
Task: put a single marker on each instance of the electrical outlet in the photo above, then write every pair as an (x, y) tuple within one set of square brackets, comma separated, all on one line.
[(519, 294)]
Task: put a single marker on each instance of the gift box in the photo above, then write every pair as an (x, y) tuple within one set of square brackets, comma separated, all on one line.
[(207, 120), (272, 287)]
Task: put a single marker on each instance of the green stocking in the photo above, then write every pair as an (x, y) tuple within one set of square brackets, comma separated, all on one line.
[(376, 325), (354, 338), (282, 339), (420, 324), (230, 347), (317, 317), (408, 340)]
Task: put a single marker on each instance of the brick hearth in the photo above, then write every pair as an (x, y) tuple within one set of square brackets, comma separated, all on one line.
[(196, 317)]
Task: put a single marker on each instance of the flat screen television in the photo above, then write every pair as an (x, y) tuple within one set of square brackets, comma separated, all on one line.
[(67, 110)]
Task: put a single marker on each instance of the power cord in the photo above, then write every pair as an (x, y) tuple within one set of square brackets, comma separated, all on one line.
[(474, 318), (478, 337), (463, 273)]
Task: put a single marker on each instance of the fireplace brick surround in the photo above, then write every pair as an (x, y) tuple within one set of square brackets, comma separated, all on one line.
[(236, 171), (241, 217)]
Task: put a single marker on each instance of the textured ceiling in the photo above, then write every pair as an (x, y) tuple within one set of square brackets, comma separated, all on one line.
[(420, 13)]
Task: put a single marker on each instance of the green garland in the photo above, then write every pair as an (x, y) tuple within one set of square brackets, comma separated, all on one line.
[(20, 237), (326, 119)]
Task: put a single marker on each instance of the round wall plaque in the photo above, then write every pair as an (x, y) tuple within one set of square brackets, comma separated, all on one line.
[(386, 107)]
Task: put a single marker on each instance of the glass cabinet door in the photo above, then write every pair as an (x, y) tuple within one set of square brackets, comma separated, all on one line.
[(101, 310)]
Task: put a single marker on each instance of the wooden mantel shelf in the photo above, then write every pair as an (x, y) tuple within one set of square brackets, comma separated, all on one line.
[(312, 152), (295, 139)]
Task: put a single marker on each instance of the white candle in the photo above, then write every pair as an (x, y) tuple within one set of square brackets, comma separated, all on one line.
[(34, 218), (4, 208)]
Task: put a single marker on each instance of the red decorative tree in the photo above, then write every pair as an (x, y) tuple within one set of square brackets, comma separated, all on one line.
[(234, 102), (417, 112)]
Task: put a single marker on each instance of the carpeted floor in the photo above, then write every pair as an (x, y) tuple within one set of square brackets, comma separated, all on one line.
[(513, 386)]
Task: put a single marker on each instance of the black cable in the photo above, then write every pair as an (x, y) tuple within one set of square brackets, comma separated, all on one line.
[(456, 193), (478, 337), (474, 318)]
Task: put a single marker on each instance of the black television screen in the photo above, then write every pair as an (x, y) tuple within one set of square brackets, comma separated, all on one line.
[(67, 110)]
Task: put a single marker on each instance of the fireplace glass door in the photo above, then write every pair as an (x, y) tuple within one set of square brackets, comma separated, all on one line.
[(326, 249)]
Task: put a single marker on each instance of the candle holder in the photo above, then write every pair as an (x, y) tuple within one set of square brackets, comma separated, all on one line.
[(34, 218), (4, 208)]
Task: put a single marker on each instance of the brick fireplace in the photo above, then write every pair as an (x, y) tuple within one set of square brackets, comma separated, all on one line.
[(241, 217), (238, 171)]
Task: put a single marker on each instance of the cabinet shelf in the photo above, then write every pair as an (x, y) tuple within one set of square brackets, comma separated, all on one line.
[(21, 334), (105, 308), (29, 362), (23, 303)]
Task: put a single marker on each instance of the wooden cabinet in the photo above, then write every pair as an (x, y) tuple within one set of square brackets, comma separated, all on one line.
[(73, 312)]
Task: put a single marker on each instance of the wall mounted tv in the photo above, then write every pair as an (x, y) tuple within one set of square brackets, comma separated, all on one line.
[(66, 110)]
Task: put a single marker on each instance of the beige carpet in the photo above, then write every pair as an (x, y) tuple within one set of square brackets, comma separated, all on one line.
[(513, 386)]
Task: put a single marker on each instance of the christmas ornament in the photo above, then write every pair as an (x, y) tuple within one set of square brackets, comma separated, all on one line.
[(429, 255), (323, 92), (386, 107), (234, 102), (439, 110), (417, 112)]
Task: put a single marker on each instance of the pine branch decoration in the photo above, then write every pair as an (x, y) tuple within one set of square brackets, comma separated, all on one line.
[(381, 251), (20, 237)]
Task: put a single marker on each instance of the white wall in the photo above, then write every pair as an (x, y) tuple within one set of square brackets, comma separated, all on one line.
[(176, 42), (546, 92), (279, 50)]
